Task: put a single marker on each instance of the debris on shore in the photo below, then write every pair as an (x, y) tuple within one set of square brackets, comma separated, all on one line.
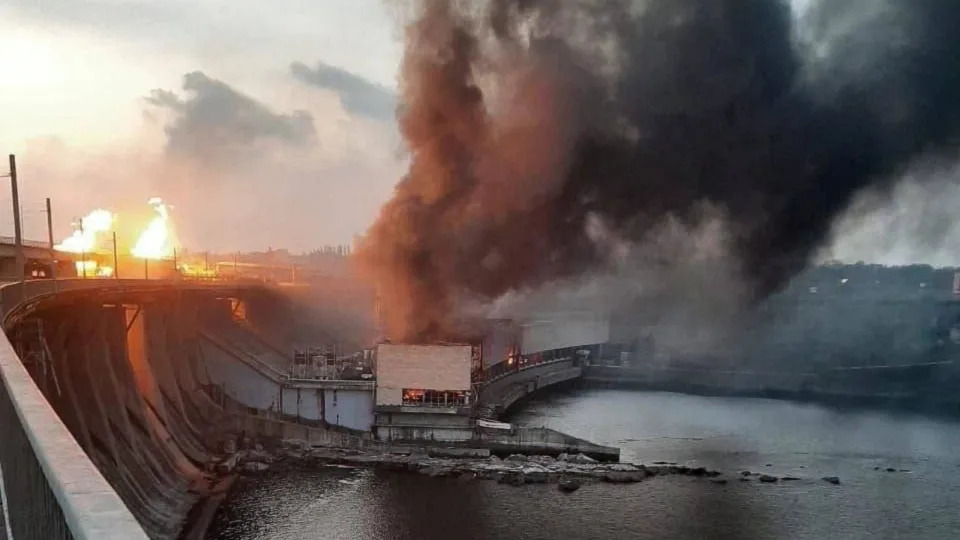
[(568, 471)]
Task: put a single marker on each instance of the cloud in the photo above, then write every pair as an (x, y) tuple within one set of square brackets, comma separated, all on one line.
[(216, 122), (358, 95), (241, 173)]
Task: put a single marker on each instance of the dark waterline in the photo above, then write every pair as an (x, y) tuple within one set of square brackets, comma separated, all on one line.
[(729, 434)]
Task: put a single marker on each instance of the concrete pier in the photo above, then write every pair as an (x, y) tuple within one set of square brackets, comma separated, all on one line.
[(545, 442)]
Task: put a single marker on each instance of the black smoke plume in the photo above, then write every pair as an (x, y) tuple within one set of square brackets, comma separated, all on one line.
[(527, 120)]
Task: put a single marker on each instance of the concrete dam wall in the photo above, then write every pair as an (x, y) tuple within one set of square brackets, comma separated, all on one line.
[(151, 383)]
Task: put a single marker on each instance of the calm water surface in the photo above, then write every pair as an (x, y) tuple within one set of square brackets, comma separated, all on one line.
[(920, 500)]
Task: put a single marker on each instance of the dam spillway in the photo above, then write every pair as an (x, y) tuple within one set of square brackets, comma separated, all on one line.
[(150, 379)]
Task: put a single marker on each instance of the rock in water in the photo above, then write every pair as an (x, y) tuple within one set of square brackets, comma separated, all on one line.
[(253, 467), (576, 458), (768, 479), (437, 471), (512, 478), (569, 485), (832, 479), (227, 465), (535, 476), (614, 477)]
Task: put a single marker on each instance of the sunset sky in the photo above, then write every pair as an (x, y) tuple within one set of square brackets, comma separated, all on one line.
[(111, 102)]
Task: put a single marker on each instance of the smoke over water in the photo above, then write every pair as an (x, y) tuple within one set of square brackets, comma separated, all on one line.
[(539, 130)]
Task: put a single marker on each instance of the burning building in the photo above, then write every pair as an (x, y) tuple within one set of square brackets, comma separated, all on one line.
[(426, 391)]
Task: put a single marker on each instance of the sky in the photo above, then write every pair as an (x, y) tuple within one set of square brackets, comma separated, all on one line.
[(263, 124), (271, 125)]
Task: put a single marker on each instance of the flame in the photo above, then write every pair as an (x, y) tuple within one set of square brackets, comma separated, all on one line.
[(84, 240), (192, 270), (156, 241), (92, 268)]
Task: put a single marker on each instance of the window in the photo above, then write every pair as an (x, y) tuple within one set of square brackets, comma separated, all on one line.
[(434, 398)]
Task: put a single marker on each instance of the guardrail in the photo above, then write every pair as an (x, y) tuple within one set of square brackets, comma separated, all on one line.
[(50, 487)]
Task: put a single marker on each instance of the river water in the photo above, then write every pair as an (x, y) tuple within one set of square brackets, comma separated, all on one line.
[(921, 499)]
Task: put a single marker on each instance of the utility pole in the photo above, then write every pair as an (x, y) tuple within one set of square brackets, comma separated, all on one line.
[(53, 260), (145, 269), (116, 267), (83, 252), (176, 271), (17, 233)]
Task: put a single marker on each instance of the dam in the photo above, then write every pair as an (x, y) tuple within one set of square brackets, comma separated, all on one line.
[(123, 398)]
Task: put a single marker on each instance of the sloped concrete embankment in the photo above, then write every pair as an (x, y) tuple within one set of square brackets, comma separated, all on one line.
[(128, 378), (120, 378)]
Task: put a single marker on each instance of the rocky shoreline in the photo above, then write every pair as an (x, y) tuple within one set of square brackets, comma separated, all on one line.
[(567, 471)]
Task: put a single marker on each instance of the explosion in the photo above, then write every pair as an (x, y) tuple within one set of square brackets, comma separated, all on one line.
[(156, 242), (528, 120), (85, 238)]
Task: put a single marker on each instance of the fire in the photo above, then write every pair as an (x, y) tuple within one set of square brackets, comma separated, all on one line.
[(192, 270), (84, 239), (93, 269), (156, 242)]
